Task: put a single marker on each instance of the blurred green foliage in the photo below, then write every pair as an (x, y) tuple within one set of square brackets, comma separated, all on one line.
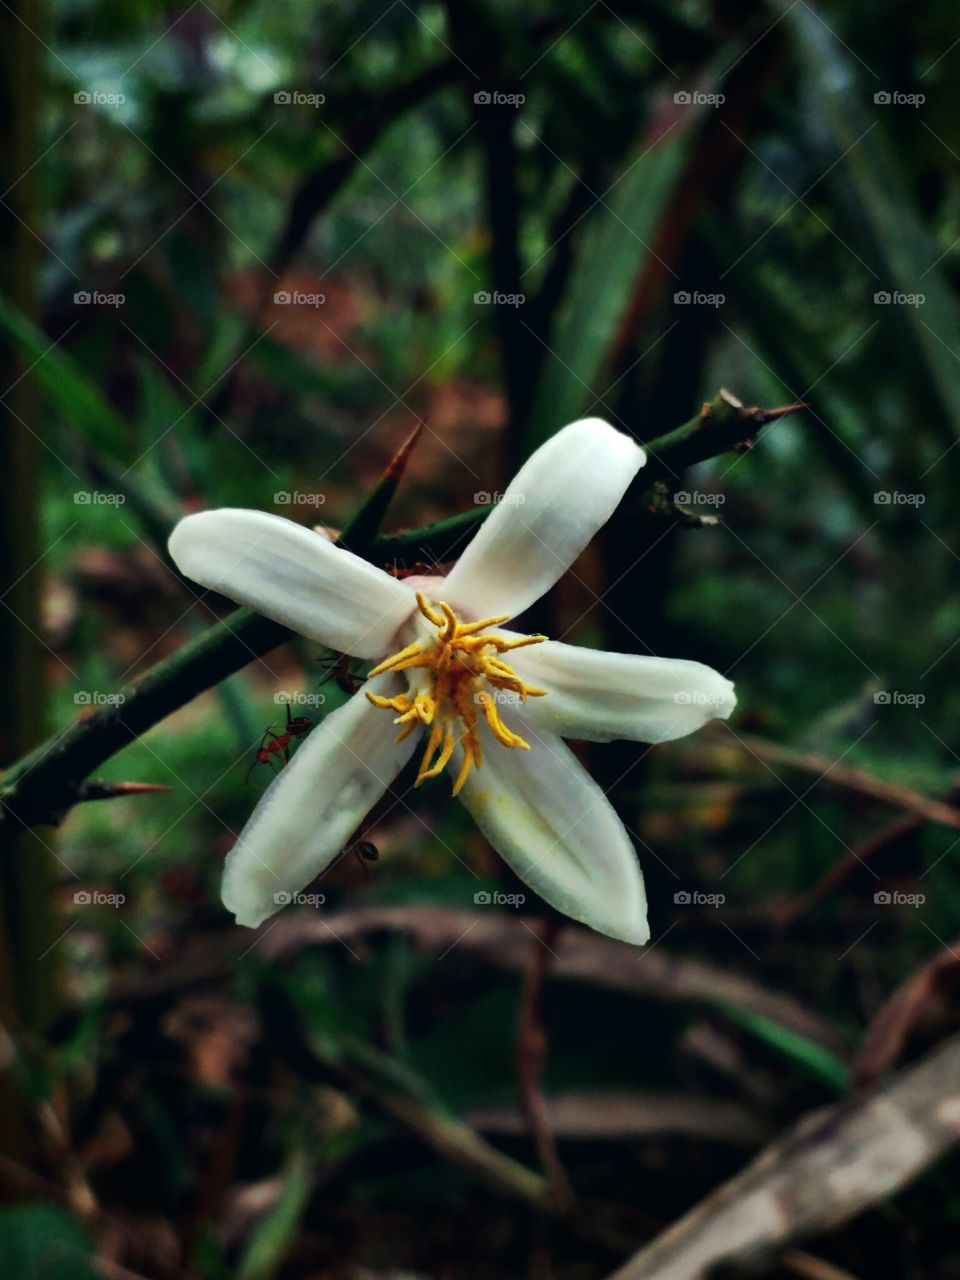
[(798, 199)]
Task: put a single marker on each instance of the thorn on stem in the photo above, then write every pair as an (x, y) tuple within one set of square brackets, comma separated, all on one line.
[(97, 789), (398, 463)]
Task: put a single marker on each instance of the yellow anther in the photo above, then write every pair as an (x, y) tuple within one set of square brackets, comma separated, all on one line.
[(449, 630), (394, 661), (462, 673), (431, 615), (425, 708), (468, 762), (400, 703), (471, 628)]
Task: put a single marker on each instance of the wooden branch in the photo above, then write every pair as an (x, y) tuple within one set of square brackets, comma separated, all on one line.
[(392, 1088), (499, 940), (723, 425), (841, 775), (43, 786), (829, 1168), (531, 1058), (917, 997), (368, 121)]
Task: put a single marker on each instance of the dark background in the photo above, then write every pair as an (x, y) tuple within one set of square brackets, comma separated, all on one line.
[(189, 1102)]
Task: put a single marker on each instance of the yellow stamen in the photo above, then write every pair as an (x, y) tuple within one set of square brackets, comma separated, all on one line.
[(463, 673), (388, 664), (468, 760), (500, 730)]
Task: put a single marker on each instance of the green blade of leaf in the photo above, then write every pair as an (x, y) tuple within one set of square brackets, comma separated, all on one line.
[(812, 1059), (275, 1234), (65, 386), (614, 248), (868, 176)]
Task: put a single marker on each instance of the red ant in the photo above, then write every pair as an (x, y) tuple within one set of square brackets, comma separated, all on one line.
[(274, 744), (419, 569), (338, 669)]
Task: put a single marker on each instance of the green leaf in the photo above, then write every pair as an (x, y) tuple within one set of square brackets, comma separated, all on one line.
[(870, 181), (65, 386), (611, 256), (275, 1234), (813, 1059), (42, 1242)]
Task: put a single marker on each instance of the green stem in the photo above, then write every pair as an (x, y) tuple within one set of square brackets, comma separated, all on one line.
[(43, 785), (722, 425)]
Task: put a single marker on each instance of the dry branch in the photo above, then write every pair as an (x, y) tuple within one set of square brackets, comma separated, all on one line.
[(829, 1168), (501, 941), (841, 775)]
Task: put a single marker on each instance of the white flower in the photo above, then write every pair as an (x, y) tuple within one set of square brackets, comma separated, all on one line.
[(493, 705)]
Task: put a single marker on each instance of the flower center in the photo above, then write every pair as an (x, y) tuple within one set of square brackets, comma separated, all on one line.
[(455, 677)]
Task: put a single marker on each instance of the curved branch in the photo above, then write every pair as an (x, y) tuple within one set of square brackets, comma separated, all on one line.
[(44, 785), (828, 1169), (319, 187)]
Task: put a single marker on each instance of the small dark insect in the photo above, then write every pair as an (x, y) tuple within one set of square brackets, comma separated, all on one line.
[(364, 851), (338, 670), (274, 747)]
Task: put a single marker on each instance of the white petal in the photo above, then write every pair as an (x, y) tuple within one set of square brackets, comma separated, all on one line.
[(314, 805), (551, 822), (294, 576), (600, 696), (552, 508)]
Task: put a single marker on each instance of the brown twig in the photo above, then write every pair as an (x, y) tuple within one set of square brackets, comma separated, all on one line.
[(887, 1035), (503, 941), (396, 1092), (840, 775), (531, 1060), (829, 1168), (788, 913)]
